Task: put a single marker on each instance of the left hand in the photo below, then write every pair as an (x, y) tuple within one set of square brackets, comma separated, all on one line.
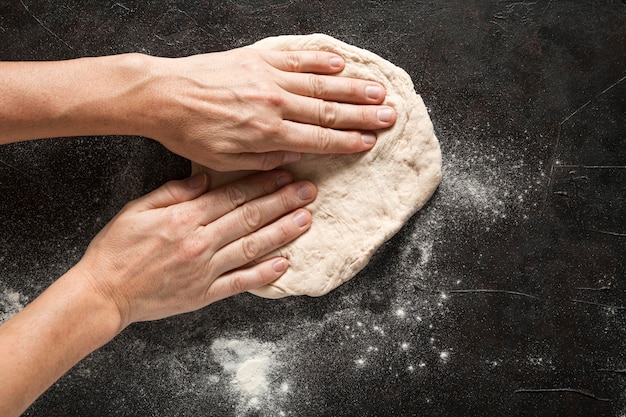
[(250, 109)]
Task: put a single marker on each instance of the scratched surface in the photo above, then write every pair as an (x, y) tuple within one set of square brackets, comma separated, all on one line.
[(506, 295)]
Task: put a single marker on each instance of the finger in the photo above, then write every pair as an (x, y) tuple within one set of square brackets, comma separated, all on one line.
[(260, 212), (242, 280), (263, 241), (223, 200), (307, 138), (174, 192), (338, 115), (320, 62), (256, 161), (341, 89)]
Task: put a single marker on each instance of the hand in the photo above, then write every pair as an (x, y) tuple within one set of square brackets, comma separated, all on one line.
[(181, 248), (174, 250), (251, 109)]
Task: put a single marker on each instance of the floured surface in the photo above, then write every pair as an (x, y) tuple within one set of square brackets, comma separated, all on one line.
[(398, 338), (363, 199)]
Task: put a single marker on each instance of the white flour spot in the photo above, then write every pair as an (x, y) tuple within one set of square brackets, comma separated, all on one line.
[(251, 375), (256, 375), (247, 361), (11, 302)]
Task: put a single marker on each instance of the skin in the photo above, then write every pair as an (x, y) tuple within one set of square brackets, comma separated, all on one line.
[(207, 108), (180, 247)]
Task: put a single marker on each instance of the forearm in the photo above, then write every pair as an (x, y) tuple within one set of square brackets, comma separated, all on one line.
[(42, 342), (79, 97)]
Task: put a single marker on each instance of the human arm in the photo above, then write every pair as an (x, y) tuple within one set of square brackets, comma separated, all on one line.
[(175, 250), (239, 109)]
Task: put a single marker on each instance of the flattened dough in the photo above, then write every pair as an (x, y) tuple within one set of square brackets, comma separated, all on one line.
[(363, 199)]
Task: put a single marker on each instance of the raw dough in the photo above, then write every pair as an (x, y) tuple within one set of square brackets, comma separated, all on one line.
[(363, 199)]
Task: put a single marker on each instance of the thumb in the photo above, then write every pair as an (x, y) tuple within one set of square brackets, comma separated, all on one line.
[(174, 192)]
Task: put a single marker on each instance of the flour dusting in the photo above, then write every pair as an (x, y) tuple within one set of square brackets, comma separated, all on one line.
[(254, 371), (251, 375), (246, 361)]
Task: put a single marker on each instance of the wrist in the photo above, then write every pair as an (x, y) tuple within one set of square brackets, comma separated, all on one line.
[(105, 308), (132, 96), (117, 100), (100, 316)]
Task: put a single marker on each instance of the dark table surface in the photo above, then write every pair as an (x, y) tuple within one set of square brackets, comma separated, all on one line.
[(505, 295)]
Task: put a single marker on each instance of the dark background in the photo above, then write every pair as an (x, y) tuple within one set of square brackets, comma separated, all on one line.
[(505, 295)]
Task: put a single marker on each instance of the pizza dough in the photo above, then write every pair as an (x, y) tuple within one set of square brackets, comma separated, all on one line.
[(363, 199)]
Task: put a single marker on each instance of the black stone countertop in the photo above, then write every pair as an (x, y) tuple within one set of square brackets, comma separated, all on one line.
[(506, 295)]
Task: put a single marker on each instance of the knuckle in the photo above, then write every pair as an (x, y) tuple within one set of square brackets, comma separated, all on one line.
[(317, 86), (249, 59), (237, 284), (353, 142), (283, 236), (320, 57), (270, 160), (355, 88), (327, 114), (364, 116), (235, 196), (192, 248), (172, 191), (270, 131), (293, 62), (260, 89), (252, 216), (250, 248), (288, 201), (324, 139), (273, 97)]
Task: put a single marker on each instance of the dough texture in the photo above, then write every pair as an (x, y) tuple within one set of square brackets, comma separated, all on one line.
[(363, 199)]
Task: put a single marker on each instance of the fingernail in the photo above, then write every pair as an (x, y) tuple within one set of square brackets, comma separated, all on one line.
[(305, 192), (283, 180), (300, 219), (373, 92), (280, 265), (197, 180), (335, 62), (385, 114), (368, 138), (290, 157)]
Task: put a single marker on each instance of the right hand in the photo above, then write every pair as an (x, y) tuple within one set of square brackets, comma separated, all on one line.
[(180, 248)]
